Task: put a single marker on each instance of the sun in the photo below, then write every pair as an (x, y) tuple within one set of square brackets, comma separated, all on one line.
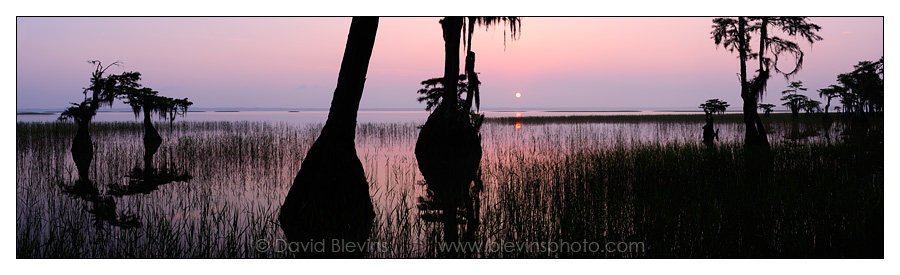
[(518, 95)]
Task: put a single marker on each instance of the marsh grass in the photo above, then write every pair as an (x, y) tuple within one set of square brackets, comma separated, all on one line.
[(615, 179), (686, 200)]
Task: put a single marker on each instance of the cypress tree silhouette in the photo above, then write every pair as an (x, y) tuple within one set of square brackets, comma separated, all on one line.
[(103, 91), (792, 100), (711, 107), (148, 179), (448, 149), (766, 107), (148, 101), (329, 199), (829, 93), (735, 35), (863, 94)]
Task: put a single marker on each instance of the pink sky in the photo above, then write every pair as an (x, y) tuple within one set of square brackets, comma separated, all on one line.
[(587, 63)]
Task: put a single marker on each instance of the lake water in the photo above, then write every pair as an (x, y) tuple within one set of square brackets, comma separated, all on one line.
[(243, 163), (321, 116)]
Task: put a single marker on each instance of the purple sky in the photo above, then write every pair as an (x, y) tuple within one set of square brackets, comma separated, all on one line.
[(588, 63)]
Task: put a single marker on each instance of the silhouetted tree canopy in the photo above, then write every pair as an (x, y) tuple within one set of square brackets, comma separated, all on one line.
[(794, 102), (792, 26), (830, 93), (102, 92), (513, 23), (149, 100), (80, 112), (714, 106), (863, 88), (772, 48), (726, 33), (434, 90), (791, 99), (473, 92), (811, 106), (766, 107)]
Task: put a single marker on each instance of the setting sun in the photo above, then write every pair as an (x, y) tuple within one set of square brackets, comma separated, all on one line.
[(518, 95)]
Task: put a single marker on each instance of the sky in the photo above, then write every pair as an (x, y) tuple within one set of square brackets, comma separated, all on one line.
[(590, 63)]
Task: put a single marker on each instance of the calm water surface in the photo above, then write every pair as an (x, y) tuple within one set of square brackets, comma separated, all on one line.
[(321, 116), (243, 169)]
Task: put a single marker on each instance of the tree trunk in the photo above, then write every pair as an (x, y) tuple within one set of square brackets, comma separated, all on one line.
[(152, 140), (329, 199), (82, 144), (448, 149), (472, 77), (757, 154), (826, 119), (83, 149), (750, 135), (755, 134), (761, 82), (763, 35), (452, 27), (709, 133)]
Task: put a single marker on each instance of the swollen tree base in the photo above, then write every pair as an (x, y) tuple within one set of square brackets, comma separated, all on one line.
[(709, 132), (83, 150), (329, 200), (448, 152), (152, 141)]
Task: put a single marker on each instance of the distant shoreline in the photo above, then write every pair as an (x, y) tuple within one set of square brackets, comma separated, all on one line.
[(649, 112), (586, 111), (34, 114)]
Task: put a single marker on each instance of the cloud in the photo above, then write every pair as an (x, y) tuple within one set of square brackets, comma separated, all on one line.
[(846, 32)]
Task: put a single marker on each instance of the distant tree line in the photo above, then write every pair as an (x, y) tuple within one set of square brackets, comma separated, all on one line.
[(861, 91), (797, 102)]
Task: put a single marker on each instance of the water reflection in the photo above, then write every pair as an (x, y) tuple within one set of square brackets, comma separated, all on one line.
[(796, 134), (142, 181), (103, 207), (243, 170), (464, 214)]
